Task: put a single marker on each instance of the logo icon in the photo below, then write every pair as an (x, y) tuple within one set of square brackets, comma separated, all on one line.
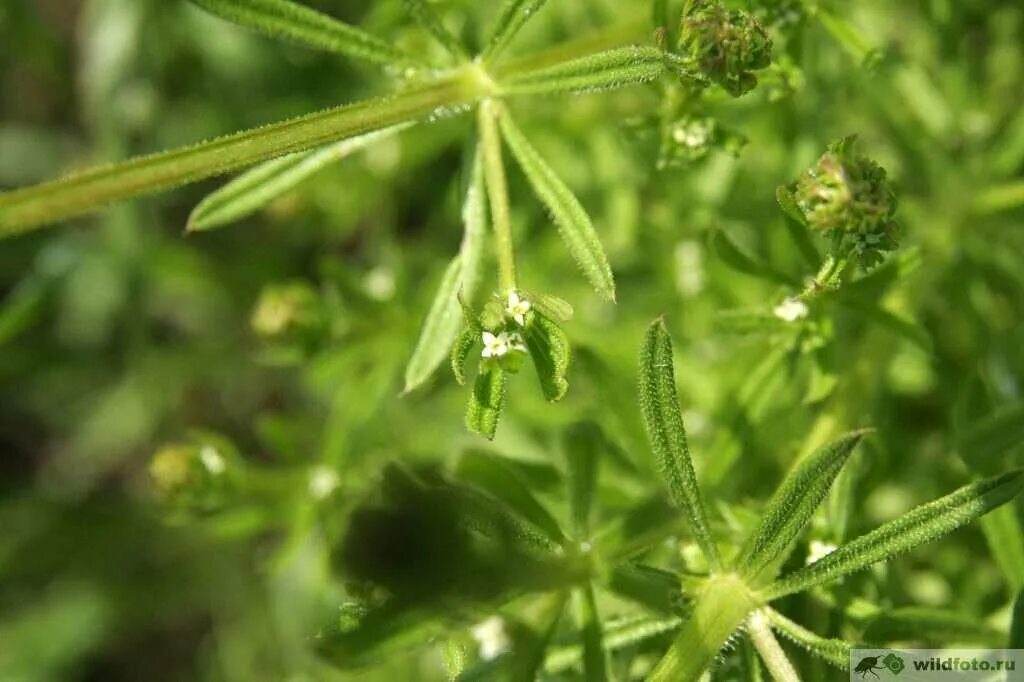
[(894, 663)]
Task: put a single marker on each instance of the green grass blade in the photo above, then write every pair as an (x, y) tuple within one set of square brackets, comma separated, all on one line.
[(608, 70), (921, 525), (305, 26), (793, 505), (659, 405), (31, 207), (595, 663), (572, 220), (834, 651), (256, 188), (440, 329), (514, 14), (427, 17)]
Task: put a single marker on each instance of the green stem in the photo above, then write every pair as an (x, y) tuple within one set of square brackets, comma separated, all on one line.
[(24, 209), (720, 608), (774, 657), (497, 192)]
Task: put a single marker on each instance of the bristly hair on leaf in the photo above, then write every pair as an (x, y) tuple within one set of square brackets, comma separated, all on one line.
[(659, 405)]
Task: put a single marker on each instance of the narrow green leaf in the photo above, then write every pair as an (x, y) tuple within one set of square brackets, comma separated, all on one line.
[(653, 588), (928, 625), (663, 420), (463, 346), (618, 635), (906, 329), (22, 308), (549, 347), (513, 15), (455, 658), (595, 664), (305, 26), (256, 188), (582, 443), (486, 401), (921, 525), (493, 476), (530, 658), (553, 307), (834, 651), (445, 320), (1005, 537), (24, 209), (608, 70), (793, 505), (496, 183), (427, 17), (737, 259), (440, 329), (984, 443), (572, 220), (1017, 624)]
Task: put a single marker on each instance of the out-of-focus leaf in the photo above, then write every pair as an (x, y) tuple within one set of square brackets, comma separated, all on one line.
[(440, 329), (984, 443), (490, 474), (834, 651), (514, 13), (738, 260), (305, 26), (427, 17), (582, 444), (256, 188)]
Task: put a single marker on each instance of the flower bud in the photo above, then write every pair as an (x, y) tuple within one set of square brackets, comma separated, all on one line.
[(724, 45)]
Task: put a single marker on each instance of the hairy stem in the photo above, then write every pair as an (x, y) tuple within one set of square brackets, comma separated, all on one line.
[(768, 647), (24, 209), (497, 192), (722, 604)]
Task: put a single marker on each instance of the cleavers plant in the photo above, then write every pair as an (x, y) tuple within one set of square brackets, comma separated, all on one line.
[(437, 548)]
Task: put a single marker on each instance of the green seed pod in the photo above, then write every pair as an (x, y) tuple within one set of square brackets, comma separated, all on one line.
[(724, 45), (845, 194)]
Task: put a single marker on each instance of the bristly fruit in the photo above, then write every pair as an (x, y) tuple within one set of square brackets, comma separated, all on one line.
[(725, 45), (848, 196)]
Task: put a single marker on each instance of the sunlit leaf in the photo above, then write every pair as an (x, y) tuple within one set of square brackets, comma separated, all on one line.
[(663, 420), (608, 70), (572, 220), (921, 525), (834, 651)]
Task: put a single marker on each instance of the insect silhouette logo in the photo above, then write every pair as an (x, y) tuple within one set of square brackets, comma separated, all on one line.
[(870, 664)]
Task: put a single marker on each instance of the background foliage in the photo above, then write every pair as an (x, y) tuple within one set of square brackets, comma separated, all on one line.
[(118, 335)]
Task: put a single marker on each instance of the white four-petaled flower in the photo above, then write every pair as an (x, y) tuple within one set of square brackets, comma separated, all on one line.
[(495, 345), (517, 308), (492, 637)]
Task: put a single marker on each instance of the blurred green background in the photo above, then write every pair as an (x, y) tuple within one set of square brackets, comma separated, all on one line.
[(280, 342)]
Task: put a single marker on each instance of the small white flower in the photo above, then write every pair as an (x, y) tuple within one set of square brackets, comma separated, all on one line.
[(492, 638), (819, 550), (495, 345), (517, 308), (212, 460), (790, 310), (322, 482)]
